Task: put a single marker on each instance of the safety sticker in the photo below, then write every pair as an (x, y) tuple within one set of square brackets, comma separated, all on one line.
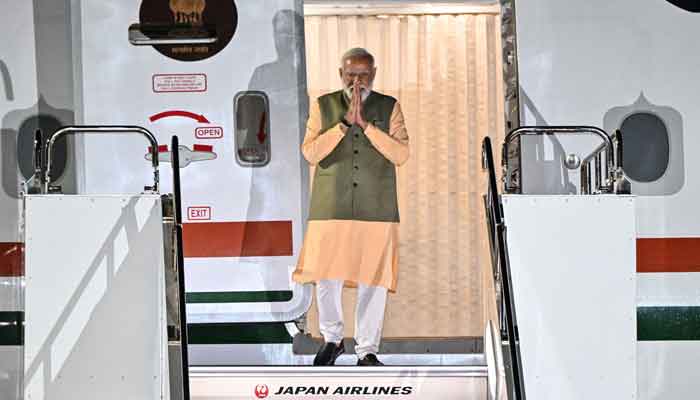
[(200, 213), (182, 83), (212, 132)]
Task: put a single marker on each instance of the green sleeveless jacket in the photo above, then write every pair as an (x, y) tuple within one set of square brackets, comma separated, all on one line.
[(355, 181)]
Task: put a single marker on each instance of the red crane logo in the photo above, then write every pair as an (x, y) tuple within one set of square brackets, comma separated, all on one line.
[(261, 391)]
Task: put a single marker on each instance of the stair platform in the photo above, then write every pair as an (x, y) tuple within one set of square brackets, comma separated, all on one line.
[(339, 382)]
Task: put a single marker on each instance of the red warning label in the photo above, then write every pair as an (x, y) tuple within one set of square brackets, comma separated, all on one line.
[(202, 213), (212, 132), (169, 83)]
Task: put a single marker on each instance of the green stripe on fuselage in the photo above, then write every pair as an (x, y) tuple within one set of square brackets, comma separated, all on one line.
[(654, 323), (275, 296), (658, 323), (11, 328), (238, 333)]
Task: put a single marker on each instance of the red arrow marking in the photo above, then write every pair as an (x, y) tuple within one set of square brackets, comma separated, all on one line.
[(177, 113), (261, 131)]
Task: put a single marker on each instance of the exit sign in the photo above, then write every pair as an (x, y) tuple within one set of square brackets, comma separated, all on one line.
[(202, 213)]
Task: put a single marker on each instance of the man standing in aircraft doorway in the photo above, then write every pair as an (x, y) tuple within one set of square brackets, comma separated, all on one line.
[(355, 139)]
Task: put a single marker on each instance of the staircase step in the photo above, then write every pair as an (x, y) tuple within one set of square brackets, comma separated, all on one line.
[(339, 382)]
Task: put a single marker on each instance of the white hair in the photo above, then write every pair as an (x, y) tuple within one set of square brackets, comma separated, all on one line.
[(357, 52)]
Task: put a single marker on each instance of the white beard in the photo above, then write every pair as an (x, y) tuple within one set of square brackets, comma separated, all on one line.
[(364, 93)]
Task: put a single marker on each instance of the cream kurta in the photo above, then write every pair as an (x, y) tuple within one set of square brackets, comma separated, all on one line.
[(350, 250)]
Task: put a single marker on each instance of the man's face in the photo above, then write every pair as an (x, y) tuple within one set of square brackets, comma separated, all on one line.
[(357, 70)]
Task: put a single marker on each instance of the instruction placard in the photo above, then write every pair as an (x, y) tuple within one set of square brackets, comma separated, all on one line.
[(202, 213), (211, 132), (169, 83)]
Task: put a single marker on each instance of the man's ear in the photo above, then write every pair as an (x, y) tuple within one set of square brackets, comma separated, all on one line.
[(340, 72), (374, 73)]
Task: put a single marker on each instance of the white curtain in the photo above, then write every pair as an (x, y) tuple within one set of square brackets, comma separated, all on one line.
[(446, 72)]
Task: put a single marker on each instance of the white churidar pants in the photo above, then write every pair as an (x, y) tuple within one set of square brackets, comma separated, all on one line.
[(369, 314)]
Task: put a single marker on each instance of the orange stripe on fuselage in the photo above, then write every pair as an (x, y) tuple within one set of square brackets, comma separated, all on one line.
[(274, 238), (237, 239), (11, 260), (668, 255)]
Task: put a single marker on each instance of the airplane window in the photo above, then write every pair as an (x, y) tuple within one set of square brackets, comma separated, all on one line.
[(646, 147), (252, 128)]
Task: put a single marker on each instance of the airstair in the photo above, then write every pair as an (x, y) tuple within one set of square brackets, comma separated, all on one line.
[(493, 371), (64, 346), (115, 324)]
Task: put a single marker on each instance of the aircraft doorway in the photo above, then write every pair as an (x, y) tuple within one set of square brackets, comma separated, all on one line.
[(443, 64)]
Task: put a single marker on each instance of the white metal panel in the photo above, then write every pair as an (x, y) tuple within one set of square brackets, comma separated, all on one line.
[(11, 372), (672, 289), (11, 294), (409, 383), (676, 362), (95, 314), (117, 87), (573, 270)]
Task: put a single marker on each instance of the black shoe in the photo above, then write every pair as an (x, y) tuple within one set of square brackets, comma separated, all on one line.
[(370, 360), (328, 353)]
